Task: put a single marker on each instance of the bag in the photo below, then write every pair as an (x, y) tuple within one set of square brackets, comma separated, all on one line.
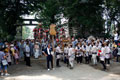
[(4, 62), (27, 54), (58, 56)]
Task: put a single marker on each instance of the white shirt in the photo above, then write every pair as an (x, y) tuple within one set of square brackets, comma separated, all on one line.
[(48, 50), (71, 52), (58, 50), (107, 49), (27, 48), (116, 36), (88, 48), (94, 49), (103, 51), (118, 51), (77, 49), (83, 48), (66, 49), (102, 54)]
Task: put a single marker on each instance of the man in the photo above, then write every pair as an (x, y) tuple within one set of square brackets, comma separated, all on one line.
[(27, 53), (66, 48), (116, 37), (58, 54), (118, 54), (47, 53), (94, 54), (24, 44), (87, 54), (71, 55), (102, 57)]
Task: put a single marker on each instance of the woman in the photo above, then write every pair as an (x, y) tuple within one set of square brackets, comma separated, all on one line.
[(36, 48), (3, 63)]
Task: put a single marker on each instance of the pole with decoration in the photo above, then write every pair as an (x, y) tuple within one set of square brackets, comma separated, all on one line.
[(53, 33)]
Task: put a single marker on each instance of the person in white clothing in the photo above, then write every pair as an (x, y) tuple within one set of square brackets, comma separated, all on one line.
[(94, 54), (58, 55), (102, 57), (71, 55), (107, 55), (81, 54), (36, 50), (77, 53), (27, 50), (116, 37), (118, 54), (88, 47), (66, 49)]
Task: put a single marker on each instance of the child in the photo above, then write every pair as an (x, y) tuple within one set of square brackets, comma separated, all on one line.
[(8, 56), (16, 57)]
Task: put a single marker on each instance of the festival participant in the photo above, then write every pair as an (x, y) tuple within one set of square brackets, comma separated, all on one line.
[(47, 53), (27, 53), (81, 53), (77, 51), (3, 62), (88, 49), (84, 52), (107, 54), (98, 49), (94, 54), (58, 55), (118, 54), (114, 52), (102, 56), (88, 55), (66, 49), (36, 52), (116, 37), (71, 55)]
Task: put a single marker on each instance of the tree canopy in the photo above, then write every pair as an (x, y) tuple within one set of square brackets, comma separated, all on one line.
[(84, 16)]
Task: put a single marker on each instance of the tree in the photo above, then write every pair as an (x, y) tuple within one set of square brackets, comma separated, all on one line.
[(112, 10), (84, 16), (50, 12), (11, 12)]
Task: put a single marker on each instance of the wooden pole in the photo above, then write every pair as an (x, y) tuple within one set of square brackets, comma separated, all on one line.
[(53, 50)]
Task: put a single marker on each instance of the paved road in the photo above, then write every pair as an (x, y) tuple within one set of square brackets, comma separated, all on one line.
[(80, 72)]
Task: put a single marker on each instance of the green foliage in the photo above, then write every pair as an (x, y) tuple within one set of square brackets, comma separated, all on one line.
[(49, 13), (25, 32), (86, 16)]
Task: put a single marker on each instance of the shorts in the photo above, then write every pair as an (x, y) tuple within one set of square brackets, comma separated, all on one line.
[(3, 67)]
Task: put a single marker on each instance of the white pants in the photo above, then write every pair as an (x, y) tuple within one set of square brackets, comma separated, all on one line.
[(94, 58), (71, 62)]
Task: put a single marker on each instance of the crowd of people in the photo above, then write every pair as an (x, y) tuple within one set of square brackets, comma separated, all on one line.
[(88, 51)]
